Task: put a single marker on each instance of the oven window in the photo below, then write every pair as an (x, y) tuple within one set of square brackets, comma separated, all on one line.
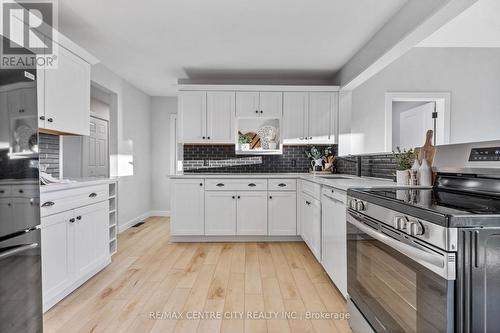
[(395, 293)]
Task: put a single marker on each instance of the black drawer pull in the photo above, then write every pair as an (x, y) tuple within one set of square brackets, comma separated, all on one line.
[(239, 197), (233, 197), (308, 202), (252, 185), (201, 184), (270, 197), (79, 217), (48, 204), (21, 191), (2, 191), (281, 184), (92, 195), (219, 185), (72, 220)]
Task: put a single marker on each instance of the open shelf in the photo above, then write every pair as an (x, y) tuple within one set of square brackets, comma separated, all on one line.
[(113, 218), (265, 134)]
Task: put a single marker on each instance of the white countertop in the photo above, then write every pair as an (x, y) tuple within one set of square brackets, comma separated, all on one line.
[(76, 182), (331, 180)]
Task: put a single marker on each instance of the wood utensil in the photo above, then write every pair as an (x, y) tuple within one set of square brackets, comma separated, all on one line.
[(427, 150)]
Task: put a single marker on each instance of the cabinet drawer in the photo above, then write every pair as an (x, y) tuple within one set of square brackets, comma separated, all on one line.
[(333, 193), (60, 201), (312, 189), (236, 184), (282, 184), (4, 191)]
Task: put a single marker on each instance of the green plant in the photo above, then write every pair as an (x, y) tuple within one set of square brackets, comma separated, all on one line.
[(404, 158), (243, 139)]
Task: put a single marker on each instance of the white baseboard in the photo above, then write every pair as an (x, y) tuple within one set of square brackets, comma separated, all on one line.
[(125, 226)]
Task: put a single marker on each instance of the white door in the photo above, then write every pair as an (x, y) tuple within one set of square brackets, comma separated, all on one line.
[(29, 101), (295, 106), (282, 213), (220, 117), (321, 112), (188, 207), (95, 149), (334, 252), (315, 220), (193, 111), (252, 213), (305, 224), (6, 213), (67, 95), (247, 104), (91, 237), (220, 213), (413, 125), (271, 104), (57, 237)]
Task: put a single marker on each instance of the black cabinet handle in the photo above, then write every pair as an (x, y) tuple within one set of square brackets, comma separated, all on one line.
[(233, 196), (79, 217), (9, 204), (333, 191), (72, 220), (201, 184), (21, 191), (48, 204), (239, 197), (2, 191), (308, 202), (92, 195), (252, 185), (50, 120), (261, 111), (21, 111), (208, 137), (256, 111), (203, 137), (219, 185), (270, 197), (42, 117), (281, 184)]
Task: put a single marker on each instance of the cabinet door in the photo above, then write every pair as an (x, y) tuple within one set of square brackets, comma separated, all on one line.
[(91, 237), (305, 222), (333, 241), (193, 111), (321, 113), (188, 207), (29, 101), (271, 104), (220, 117), (252, 213), (295, 105), (6, 214), (247, 104), (67, 95), (220, 213), (57, 237), (315, 220), (282, 213)]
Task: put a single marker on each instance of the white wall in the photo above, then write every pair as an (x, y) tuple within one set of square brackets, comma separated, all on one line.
[(132, 121), (470, 74), (161, 109)]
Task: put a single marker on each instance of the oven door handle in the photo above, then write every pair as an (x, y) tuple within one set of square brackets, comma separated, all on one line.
[(442, 264), (16, 250)]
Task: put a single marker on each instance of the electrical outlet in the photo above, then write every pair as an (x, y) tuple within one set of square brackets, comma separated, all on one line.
[(294, 162)]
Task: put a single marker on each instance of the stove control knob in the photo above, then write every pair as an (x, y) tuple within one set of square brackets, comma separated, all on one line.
[(360, 206), (416, 228), (401, 223), (352, 204)]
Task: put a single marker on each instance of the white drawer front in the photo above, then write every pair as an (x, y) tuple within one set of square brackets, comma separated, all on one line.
[(282, 184), (60, 201), (4, 191), (335, 194), (243, 184), (312, 189), (25, 191)]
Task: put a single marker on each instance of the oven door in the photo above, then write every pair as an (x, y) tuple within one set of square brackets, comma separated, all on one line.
[(398, 283)]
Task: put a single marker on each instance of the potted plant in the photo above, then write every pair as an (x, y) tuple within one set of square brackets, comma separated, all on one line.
[(244, 141), (316, 158), (404, 160)]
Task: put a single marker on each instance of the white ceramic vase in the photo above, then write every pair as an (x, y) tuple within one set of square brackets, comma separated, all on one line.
[(402, 177)]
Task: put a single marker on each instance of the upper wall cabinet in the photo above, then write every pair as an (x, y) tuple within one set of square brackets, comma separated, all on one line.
[(66, 90), (262, 104), (309, 117), (206, 117)]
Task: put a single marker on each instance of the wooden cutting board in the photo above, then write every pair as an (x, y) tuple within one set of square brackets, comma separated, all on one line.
[(255, 139), (427, 150)]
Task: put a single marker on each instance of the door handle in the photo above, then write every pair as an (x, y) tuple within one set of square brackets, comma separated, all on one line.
[(48, 204), (92, 195), (17, 249)]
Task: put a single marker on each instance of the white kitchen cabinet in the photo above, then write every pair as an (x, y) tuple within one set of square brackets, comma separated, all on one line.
[(193, 112), (220, 117), (322, 112), (252, 213), (295, 117), (66, 91), (91, 237), (188, 201), (57, 237), (220, 213), (282, 212), (259, 104), (334, 252), (310, 223)]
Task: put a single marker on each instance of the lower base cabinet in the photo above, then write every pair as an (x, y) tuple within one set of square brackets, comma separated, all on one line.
[(282, 212), (310, 223), (252, 213), (188, 202), (74, 247)]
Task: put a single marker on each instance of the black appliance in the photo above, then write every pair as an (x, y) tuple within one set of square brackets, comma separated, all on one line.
[(20, 259), (425, 260)]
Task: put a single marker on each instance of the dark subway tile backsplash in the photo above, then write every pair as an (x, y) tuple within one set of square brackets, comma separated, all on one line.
[(378, 165), (48, 147)]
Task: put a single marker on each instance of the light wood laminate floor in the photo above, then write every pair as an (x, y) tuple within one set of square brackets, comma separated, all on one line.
[(149, 275)]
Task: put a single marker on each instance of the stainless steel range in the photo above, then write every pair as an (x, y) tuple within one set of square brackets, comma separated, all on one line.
[(425, 260)]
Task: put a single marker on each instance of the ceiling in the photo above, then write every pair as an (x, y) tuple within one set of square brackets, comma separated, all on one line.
[(478, 26), (153, 43)]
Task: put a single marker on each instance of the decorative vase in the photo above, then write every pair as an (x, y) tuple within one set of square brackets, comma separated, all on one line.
[(317, 164), (245, 146), (272, 145), (402, 177)]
